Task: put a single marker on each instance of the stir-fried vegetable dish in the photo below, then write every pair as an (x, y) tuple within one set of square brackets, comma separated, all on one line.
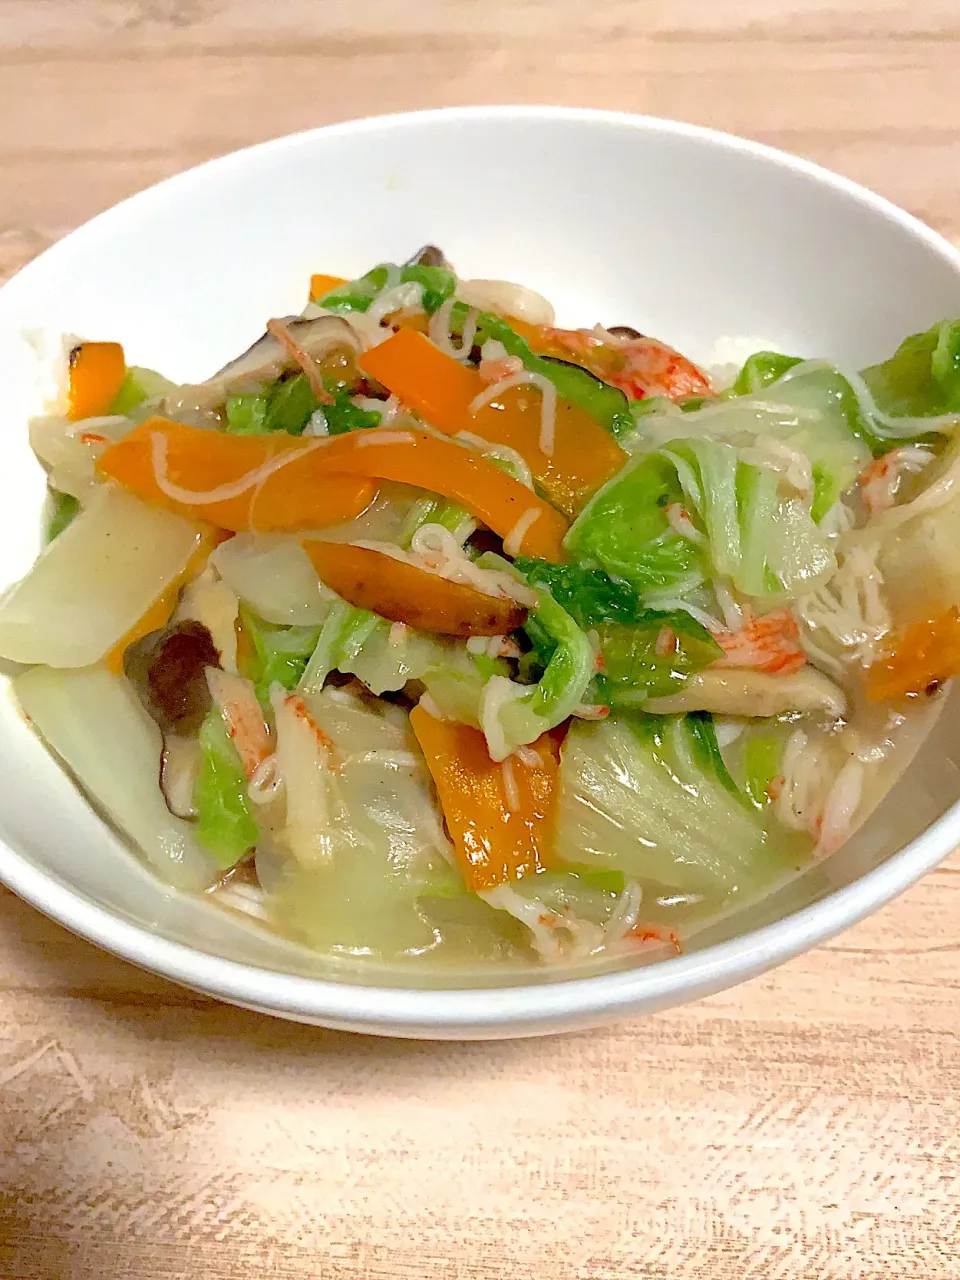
[(426, 627)]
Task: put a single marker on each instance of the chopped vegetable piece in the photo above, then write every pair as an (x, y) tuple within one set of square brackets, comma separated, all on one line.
[(652, 660), (95, 375), (139, 384), (275, 655), (321, 285), (405, 593), (759, 370), (65, 507), (500, 816), (278, 483), (225, 827), (917, 659), (273, 483), (436, 283), (761, 764), (922, 377), (441, 391)]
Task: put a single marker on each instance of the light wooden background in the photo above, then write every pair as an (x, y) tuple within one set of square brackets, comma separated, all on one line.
[(805, 1125)]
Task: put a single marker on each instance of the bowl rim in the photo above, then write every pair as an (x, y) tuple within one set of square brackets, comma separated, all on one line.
[(486, 1009)]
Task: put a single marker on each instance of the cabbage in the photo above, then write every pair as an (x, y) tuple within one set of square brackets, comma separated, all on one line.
[(273, 575), (436, 283), (624, 528), (639, 794), (386, 848), (922, 377), (96, 724), (767, 545), (91, 585), (279, 654), (225, 827)]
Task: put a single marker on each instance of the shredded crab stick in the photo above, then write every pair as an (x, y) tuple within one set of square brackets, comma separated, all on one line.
[(499, 816), (242, 717), (639, 367), (917, 659), (94, 376), (770, 644), (445, 393), (405, 593), (272, 483), (257, 483)]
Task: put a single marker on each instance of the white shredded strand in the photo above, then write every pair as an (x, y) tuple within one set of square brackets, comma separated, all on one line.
[(223, 492), (514, 539), (840, 806), (849, 610), (670, 604), (397, 635), (681, 523), (406, 297), (365, 438), (787, 460), (439, 331), (248, 899), (733, 615), (386, 759), (511, 792), (527, 756), (519, 467), (436, 550), (497, 693), (548, 409), (266, 784)]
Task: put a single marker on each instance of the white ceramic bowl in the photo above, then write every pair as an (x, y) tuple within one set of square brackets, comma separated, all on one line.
[(685, 233)]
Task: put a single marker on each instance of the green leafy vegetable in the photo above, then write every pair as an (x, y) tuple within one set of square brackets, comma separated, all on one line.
[(761, 764), (922, 377), (139, 385), (280, 654), (437, 283), (225, 824), (625, 528), (637, 796), (343, 415), (634, 670), (760, 370), (286, 406), (64, 507)]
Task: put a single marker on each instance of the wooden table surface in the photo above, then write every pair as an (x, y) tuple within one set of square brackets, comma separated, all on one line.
[(806, 1124)]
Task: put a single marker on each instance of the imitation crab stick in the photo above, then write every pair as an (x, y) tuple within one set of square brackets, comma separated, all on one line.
[(640, 367), (442, 391), (500, 816), (917, 659), (279, 482), (94, 376), (404, 592)]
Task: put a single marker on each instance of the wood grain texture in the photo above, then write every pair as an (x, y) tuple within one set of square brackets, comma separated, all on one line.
[(804, 1125)]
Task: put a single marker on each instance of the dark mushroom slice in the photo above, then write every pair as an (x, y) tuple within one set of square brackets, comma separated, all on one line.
[(265, 362), (624, 331), (429, 256), (168, 670)]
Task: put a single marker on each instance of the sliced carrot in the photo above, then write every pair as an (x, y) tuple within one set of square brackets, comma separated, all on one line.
[(95, 375), (441, 391), (160, 612), (500, 832), (300, 495), (917, 659), (321, 285), (406, 593), (323, 482)]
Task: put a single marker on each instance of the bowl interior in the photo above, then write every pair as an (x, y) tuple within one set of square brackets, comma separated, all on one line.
[(683, 234)]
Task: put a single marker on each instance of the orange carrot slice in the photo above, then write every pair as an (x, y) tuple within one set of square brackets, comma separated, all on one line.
[(501, 827), (95, 375), (917, 659), (297, 495), (406, 593), (280, 482), (441, 391), (321, 285)]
